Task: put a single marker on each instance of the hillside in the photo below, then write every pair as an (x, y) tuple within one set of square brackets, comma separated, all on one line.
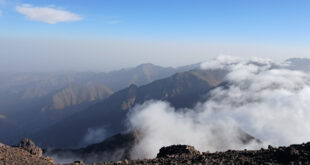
[(180, 90), (35, 101)]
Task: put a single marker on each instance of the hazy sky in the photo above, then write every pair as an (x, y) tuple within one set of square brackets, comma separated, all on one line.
[(102, 35)]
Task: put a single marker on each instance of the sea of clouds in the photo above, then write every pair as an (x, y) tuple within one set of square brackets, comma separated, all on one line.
[(260, 98)]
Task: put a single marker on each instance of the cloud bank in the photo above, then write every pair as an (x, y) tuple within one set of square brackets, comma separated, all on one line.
[(47, 14), (260, 98)]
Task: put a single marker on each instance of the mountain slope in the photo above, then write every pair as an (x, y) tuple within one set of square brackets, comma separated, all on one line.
[(181, 90), (35, 101)]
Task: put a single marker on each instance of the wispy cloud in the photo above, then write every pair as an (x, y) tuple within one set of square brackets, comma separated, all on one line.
[(47, 14)]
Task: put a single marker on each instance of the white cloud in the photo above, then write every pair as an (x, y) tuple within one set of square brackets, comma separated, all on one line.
[(47, 14), (267, 102)]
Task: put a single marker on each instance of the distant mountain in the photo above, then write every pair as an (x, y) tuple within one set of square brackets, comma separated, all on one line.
[(302, 64), (114, 148), (76, 94), (181, 90), (34, 101)]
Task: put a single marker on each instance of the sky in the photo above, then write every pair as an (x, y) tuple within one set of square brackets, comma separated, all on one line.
[(104, 35)]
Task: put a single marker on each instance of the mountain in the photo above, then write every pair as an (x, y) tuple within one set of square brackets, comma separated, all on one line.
[(180, 90), (140, 75), (114, 148), (35, 101), (76, 94), (302, 64)]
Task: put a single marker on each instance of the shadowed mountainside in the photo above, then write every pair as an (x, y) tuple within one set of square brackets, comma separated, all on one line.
[(34, 101), (180, 90)]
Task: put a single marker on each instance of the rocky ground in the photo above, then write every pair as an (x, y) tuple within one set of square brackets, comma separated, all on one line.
[(26, 153), (182, 154)]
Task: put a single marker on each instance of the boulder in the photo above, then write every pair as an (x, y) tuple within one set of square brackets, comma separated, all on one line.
[(2, 145), (177, 150), (30, 146)]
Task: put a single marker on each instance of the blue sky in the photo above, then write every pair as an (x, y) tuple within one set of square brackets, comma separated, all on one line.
[(255, 22), (224, 20)]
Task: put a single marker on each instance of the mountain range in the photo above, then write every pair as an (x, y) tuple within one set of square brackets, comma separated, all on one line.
[(34, 101), (60, 110), (180, 90)]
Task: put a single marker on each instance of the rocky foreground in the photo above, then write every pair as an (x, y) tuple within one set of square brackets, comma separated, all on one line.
[(26, 153)]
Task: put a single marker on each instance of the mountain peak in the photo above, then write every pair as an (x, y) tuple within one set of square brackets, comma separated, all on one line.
[(145, 65)]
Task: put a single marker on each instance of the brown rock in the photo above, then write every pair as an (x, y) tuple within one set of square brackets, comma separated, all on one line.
[(30, 146)]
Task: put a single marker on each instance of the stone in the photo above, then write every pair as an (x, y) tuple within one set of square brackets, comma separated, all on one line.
[(30, 146), (2, 145), (170, 151)]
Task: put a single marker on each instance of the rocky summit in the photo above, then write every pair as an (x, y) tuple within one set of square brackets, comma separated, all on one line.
[(26, 153), (183, 154), (171, 151)]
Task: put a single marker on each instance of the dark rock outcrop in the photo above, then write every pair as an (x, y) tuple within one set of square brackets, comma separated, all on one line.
[(170, 151), (29, 146), (2, 145), (182, 154)]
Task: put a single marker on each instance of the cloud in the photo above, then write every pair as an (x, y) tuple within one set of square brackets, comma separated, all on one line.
[(94, 135), (267, 102), (160, 125), (47, 14)]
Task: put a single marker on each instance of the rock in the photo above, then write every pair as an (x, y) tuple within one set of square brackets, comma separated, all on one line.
[(294, 152), (2, 145), (30, 146), (20, 156), (170, 151), (49, 159), (78, 162)]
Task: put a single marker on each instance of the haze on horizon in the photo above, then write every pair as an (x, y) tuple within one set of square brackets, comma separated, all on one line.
[(102, 35)]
